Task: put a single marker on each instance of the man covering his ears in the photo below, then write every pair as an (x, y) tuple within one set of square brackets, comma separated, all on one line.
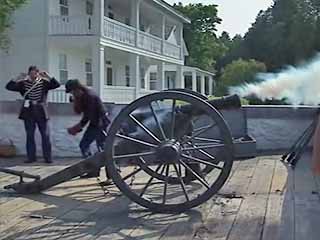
[(34, 88)]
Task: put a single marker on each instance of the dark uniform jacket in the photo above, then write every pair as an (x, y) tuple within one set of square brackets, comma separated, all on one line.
[(37, 109), (93, 110)]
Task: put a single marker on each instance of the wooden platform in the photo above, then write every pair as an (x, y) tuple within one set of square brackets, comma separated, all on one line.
[(270, 202)]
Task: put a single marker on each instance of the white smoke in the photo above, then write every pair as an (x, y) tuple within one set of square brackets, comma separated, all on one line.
[(298, 85)]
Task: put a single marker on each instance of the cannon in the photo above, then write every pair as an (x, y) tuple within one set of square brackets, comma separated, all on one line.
[(168, 152)]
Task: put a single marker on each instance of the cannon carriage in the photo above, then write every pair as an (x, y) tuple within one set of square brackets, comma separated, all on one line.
[(168, 152)]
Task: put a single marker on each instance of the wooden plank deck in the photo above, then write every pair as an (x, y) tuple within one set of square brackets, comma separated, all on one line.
[(270, 202)]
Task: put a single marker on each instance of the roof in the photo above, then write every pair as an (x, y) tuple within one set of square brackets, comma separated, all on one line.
[(199, 70), (169, 8)]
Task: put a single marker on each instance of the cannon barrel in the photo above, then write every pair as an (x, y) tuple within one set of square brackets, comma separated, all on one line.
[(226, 102), (221, 103)]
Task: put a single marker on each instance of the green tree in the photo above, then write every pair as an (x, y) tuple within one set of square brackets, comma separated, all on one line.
[(235, 49), (7, 7), (286, 33), (239, 72), (203, 45)]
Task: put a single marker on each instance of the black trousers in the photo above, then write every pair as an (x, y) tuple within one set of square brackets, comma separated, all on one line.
[(30, 127), (93, 134)]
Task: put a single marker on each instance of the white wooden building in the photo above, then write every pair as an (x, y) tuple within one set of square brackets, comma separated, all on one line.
[(124, 49)]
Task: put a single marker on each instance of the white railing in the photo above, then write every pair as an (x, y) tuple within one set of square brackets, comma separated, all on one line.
[(172, 50), (123, 33), (119, 31), (58, 95), (149, 42), (114, 30), (119, 94), (77, 25)]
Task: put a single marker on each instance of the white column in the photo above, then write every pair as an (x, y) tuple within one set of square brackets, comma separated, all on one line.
[(98, 17), (98, 58), (181, 42), (203, 92), (180, 77), (98, 68), (137, 20), (194, 80), (210, 85), (136, 76), (163, 34), (46, 37), (161, 76)]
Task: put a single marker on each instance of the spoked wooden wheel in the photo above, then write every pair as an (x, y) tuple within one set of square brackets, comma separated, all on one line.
[(174, 150)]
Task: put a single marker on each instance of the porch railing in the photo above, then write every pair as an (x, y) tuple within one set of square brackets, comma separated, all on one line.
[(114, 30), (119, 94), (119, 32), (123, 33), (149, 42), (172, 50), (58, 95), (76, 25)]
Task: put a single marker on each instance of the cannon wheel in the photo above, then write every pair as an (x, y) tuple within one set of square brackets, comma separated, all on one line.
[(168, 149)]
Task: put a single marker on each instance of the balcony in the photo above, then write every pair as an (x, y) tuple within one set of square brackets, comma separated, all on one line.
[(115, 31), (119, 32), (125, 34), (150, 43)]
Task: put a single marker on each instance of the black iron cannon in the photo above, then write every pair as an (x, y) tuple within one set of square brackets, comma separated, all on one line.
[(168, 151)]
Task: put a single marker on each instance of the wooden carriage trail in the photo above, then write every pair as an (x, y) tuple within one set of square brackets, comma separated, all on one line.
[(262, 200)]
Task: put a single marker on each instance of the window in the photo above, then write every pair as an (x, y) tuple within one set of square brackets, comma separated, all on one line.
[(153, 81), (198, 84), (127, 75), (88, 70), (127, 21), (142, 78), (188, 82), (63, 70), (206, 88), (111, 15), (89, 11), (108, 12), (64, 7), (170, 80), (108, 80), (89, 8)]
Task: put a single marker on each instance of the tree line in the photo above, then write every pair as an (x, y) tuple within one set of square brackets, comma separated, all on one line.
[(287, 33)]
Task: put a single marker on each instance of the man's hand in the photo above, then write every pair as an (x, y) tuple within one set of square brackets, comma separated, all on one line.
[(44, 75), (22, 77), (74, 130)]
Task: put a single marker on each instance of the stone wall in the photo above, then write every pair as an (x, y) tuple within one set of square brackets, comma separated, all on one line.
[(275, 128)]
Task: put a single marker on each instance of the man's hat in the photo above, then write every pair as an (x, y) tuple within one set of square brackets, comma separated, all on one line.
[(72, 84)]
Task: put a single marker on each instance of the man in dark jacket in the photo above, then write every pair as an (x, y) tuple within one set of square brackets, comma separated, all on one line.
[(34, 88), (93, 114)]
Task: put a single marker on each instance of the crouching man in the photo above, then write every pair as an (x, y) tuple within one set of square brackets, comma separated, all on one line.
[(93, 114)]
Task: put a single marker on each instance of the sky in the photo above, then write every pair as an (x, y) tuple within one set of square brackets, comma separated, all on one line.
[(237, 15)]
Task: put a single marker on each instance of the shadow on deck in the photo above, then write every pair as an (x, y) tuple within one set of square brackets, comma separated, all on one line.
[(263, 200)]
